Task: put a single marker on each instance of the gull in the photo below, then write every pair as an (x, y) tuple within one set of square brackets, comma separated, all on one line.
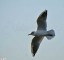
[(41, 32)]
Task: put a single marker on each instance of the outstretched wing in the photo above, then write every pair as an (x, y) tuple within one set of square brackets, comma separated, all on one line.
[(35, 44), (41, 21)]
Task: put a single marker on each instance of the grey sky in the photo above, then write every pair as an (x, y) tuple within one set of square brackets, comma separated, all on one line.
[(18, 19)]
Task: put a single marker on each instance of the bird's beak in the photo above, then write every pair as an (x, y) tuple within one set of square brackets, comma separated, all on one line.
[(29, 34)]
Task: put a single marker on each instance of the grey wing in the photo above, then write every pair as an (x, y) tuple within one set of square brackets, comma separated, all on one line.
[(41, 21), (35, 44)]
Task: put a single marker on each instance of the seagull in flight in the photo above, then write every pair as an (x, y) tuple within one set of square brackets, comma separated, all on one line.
[(41, 32)]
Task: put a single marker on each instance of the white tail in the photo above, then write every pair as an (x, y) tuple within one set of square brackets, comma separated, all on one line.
[(51, 34)]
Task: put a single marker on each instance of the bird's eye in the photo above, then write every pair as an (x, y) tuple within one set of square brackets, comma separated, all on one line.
[(32, 32)]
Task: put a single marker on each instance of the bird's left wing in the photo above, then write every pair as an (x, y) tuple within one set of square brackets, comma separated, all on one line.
[(41, 21), (35, 44)]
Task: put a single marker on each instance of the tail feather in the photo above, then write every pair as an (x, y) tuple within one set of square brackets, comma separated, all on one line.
[(51, 34)]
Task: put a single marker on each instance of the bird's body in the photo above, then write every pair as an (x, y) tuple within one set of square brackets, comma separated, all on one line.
[(41, 32)]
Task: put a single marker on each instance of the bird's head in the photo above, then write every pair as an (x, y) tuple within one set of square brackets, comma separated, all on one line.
[(32, 33)]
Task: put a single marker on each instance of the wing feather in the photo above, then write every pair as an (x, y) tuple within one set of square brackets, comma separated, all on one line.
[(35, 44), (41, 21)]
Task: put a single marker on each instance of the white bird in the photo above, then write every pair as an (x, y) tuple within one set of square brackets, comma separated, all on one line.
[(41, 32)]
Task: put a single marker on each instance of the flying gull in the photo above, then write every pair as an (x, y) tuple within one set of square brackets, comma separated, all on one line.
[(41, 32)]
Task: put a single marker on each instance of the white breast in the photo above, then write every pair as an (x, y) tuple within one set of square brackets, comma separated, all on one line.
[(40, 32)]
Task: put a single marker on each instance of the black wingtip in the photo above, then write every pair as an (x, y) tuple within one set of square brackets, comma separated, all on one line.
[(33, 54), (45, 10), (44, 14)]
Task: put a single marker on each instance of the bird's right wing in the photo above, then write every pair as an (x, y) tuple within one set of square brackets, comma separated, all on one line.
[(35, 44), (41, 21)]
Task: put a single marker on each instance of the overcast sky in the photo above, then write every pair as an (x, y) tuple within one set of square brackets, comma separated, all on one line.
[(18, 19)]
